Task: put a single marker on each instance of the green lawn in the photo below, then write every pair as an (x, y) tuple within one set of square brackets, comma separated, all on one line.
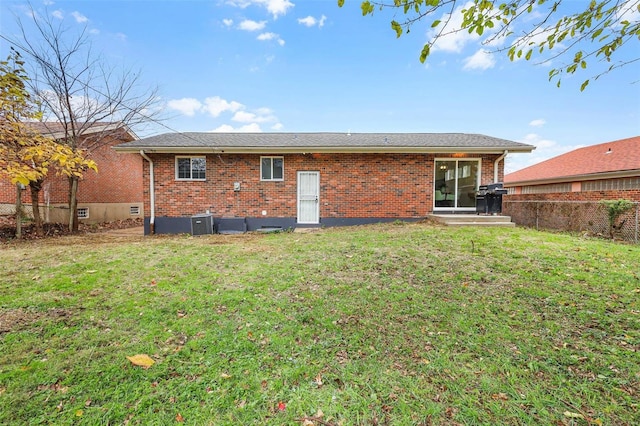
[(378, 325)]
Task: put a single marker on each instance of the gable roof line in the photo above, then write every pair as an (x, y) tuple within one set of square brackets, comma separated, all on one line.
[(322, 142), (575, 178), (582, 163), (46, 128)]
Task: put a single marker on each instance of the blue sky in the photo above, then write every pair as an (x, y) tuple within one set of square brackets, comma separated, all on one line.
[(307, 66)]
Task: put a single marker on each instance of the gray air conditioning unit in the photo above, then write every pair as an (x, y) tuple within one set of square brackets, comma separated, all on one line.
[(201, 224)]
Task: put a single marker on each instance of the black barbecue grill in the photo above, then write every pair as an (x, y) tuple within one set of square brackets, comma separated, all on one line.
[(489, 198)]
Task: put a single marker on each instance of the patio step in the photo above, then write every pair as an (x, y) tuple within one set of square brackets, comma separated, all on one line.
[(472, 220)]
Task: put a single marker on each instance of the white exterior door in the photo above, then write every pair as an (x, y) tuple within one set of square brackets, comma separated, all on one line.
[(309, 197)]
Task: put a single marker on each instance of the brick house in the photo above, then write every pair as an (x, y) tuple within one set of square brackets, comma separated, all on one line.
[(289, 180), (609, 170), (114, 192), (565, 192)]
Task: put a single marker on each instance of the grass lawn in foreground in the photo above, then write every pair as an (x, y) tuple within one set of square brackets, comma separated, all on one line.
[(378, 325)]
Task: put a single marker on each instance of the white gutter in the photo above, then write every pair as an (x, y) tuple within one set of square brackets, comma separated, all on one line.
[(152, 194), (495, 165)]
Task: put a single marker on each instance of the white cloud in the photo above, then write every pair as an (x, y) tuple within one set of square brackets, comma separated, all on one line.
[(271, 36), (187, 106), (94, 31), (277, 126), (274, 7), (545, 149), (57, 14), (227, 22), (249, 128), (216, 105), (452, 41), (537, 123), (261, 115), (267, 36), (121, 36), (628, 12), (80, 104), (310, 21), (481, 60), (79, 17), (533, 39), (249, 25)]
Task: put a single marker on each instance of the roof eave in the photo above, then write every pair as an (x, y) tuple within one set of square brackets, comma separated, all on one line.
[(576, 178), (321, 149), (97, 128)]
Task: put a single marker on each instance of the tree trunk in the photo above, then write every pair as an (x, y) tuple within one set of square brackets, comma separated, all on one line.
[(18, 211), (35, 205), (73, 204)]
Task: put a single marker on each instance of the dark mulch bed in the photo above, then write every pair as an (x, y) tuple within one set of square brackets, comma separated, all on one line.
[(8, 228)]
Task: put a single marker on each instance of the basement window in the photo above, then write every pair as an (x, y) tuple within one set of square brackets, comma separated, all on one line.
[(191, 168), (83, 212), (134, 211)]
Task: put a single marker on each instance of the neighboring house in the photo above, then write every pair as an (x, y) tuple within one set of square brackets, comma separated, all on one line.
[(289, 180), (113, 193), (605, 171), (565, 192)]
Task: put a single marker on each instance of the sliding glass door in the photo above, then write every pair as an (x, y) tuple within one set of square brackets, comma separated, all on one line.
[(456, 184)]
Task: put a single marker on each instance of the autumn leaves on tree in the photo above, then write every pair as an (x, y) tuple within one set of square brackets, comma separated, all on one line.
[(26, 156)]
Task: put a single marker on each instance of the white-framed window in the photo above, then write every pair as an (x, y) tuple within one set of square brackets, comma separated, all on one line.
[(271, 168), (83, 212), (191, 168), (134, 210)]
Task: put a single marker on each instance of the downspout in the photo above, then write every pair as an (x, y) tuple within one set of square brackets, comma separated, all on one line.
[(152, 194), (495, 165)]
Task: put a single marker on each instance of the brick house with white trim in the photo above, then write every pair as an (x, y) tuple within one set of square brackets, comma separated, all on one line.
[(289, 180)]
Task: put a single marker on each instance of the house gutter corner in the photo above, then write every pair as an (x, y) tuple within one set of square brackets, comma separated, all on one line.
[(495, 165), (152, 194)]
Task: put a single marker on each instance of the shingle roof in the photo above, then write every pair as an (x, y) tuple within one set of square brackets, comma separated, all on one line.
[(57, 129), (609, 157), (336, 142)]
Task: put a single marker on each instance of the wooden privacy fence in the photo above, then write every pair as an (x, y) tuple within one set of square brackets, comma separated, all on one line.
[(574, 216)]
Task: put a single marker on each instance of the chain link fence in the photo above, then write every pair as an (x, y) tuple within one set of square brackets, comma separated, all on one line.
[(585, 217), (9, 210)]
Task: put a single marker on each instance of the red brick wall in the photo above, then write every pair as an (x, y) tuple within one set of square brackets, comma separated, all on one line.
[(351, 185), (119, 179)]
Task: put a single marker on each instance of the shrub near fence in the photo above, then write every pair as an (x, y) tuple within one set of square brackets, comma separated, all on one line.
[(573, 216)]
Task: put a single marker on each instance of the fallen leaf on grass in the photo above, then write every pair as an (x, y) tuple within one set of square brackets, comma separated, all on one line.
[(79, 413), (573, 415), (141, 360), (282, 406), (501, 396), (179, 418)]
